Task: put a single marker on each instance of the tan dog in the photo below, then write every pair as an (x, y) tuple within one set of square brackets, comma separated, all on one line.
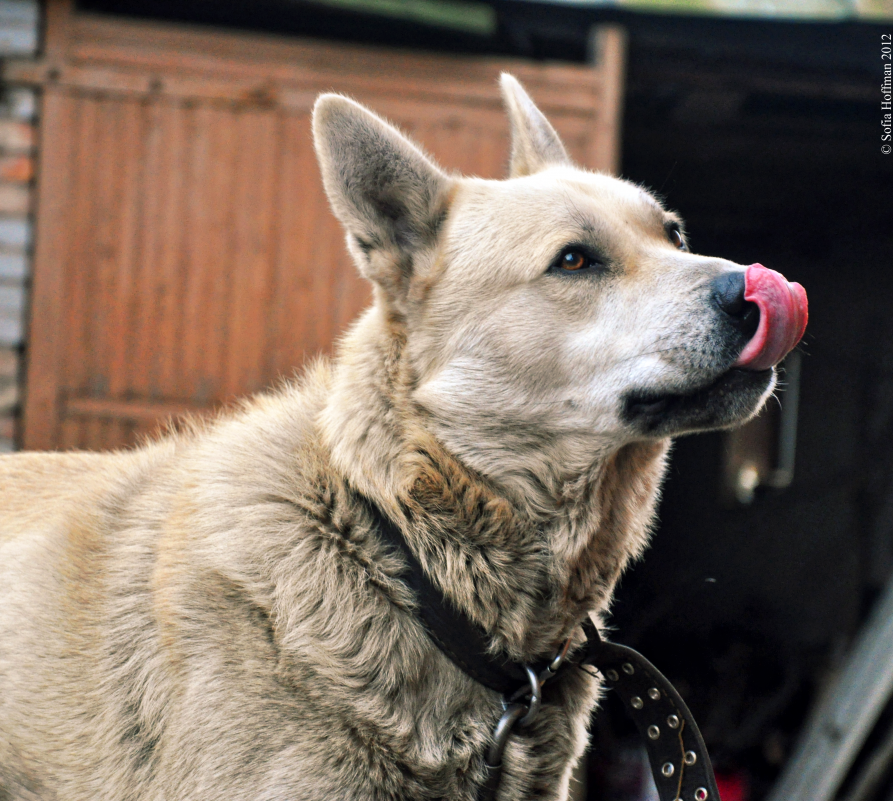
[(214, 615)]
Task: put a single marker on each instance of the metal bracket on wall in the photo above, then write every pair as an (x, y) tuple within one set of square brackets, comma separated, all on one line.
[(762, 453)]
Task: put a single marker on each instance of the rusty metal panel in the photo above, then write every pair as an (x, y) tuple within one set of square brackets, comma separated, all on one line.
[(185, 251)]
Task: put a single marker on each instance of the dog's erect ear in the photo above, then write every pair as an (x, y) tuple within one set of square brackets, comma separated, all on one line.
[(535, 145), (390, 197)]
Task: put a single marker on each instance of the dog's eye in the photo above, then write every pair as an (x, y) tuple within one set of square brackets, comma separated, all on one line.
[(676, 237), (574, 260)]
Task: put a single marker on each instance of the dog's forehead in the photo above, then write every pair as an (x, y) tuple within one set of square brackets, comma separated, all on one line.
[(561, 194), (605, 188), (544, 212)]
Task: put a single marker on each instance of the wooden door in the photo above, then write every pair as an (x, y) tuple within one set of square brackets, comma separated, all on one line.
[(185, 253)]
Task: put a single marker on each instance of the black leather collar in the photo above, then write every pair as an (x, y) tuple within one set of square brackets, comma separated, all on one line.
[(460, 639), (679, 760)]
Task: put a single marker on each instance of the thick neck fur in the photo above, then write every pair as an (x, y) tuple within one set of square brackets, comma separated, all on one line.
[(524, 573)]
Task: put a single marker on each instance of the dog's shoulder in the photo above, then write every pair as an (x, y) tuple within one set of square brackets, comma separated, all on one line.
[(38, 487)]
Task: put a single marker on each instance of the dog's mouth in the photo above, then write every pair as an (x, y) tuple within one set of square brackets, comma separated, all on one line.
[(728, 399), (737, 392)]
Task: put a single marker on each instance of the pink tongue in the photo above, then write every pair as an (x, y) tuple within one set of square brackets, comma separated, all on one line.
[(783, 315)]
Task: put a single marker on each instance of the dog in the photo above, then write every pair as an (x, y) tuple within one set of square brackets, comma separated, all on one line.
[(215, 614)]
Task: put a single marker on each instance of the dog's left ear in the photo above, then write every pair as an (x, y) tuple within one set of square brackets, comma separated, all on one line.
[(535, 145), (390, 197)]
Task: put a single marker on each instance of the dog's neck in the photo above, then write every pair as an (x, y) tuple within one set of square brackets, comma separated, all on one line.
[(526, 571)]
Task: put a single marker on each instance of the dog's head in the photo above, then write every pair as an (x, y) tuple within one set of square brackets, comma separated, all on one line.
[(559, 304)]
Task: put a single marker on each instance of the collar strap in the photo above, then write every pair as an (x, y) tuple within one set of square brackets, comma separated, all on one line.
[(458, 637), (676, 750)]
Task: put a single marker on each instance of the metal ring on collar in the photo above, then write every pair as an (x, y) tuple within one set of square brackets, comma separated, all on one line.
[(515, 712), (552, 668), (534, 691), (501, 733)]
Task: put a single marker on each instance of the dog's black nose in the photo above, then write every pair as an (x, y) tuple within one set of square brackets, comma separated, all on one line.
[(728, 295)]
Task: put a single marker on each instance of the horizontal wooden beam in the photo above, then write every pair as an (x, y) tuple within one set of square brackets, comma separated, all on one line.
[(139, 58), (258, 92), (139, 410)]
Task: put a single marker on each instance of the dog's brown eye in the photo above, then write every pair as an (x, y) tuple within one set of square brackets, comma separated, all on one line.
[(676, 239), (574, 260)]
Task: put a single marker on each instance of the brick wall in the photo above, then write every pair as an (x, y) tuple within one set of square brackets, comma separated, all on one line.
[(18, 38)]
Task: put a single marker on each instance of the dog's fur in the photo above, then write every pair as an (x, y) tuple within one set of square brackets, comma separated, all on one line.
[(214, 616)]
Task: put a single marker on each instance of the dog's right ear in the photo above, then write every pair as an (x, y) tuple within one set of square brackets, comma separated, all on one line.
[(389, 196), (535, 145)]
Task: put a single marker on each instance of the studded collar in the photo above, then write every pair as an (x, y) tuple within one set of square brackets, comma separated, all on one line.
[(676, 750)]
